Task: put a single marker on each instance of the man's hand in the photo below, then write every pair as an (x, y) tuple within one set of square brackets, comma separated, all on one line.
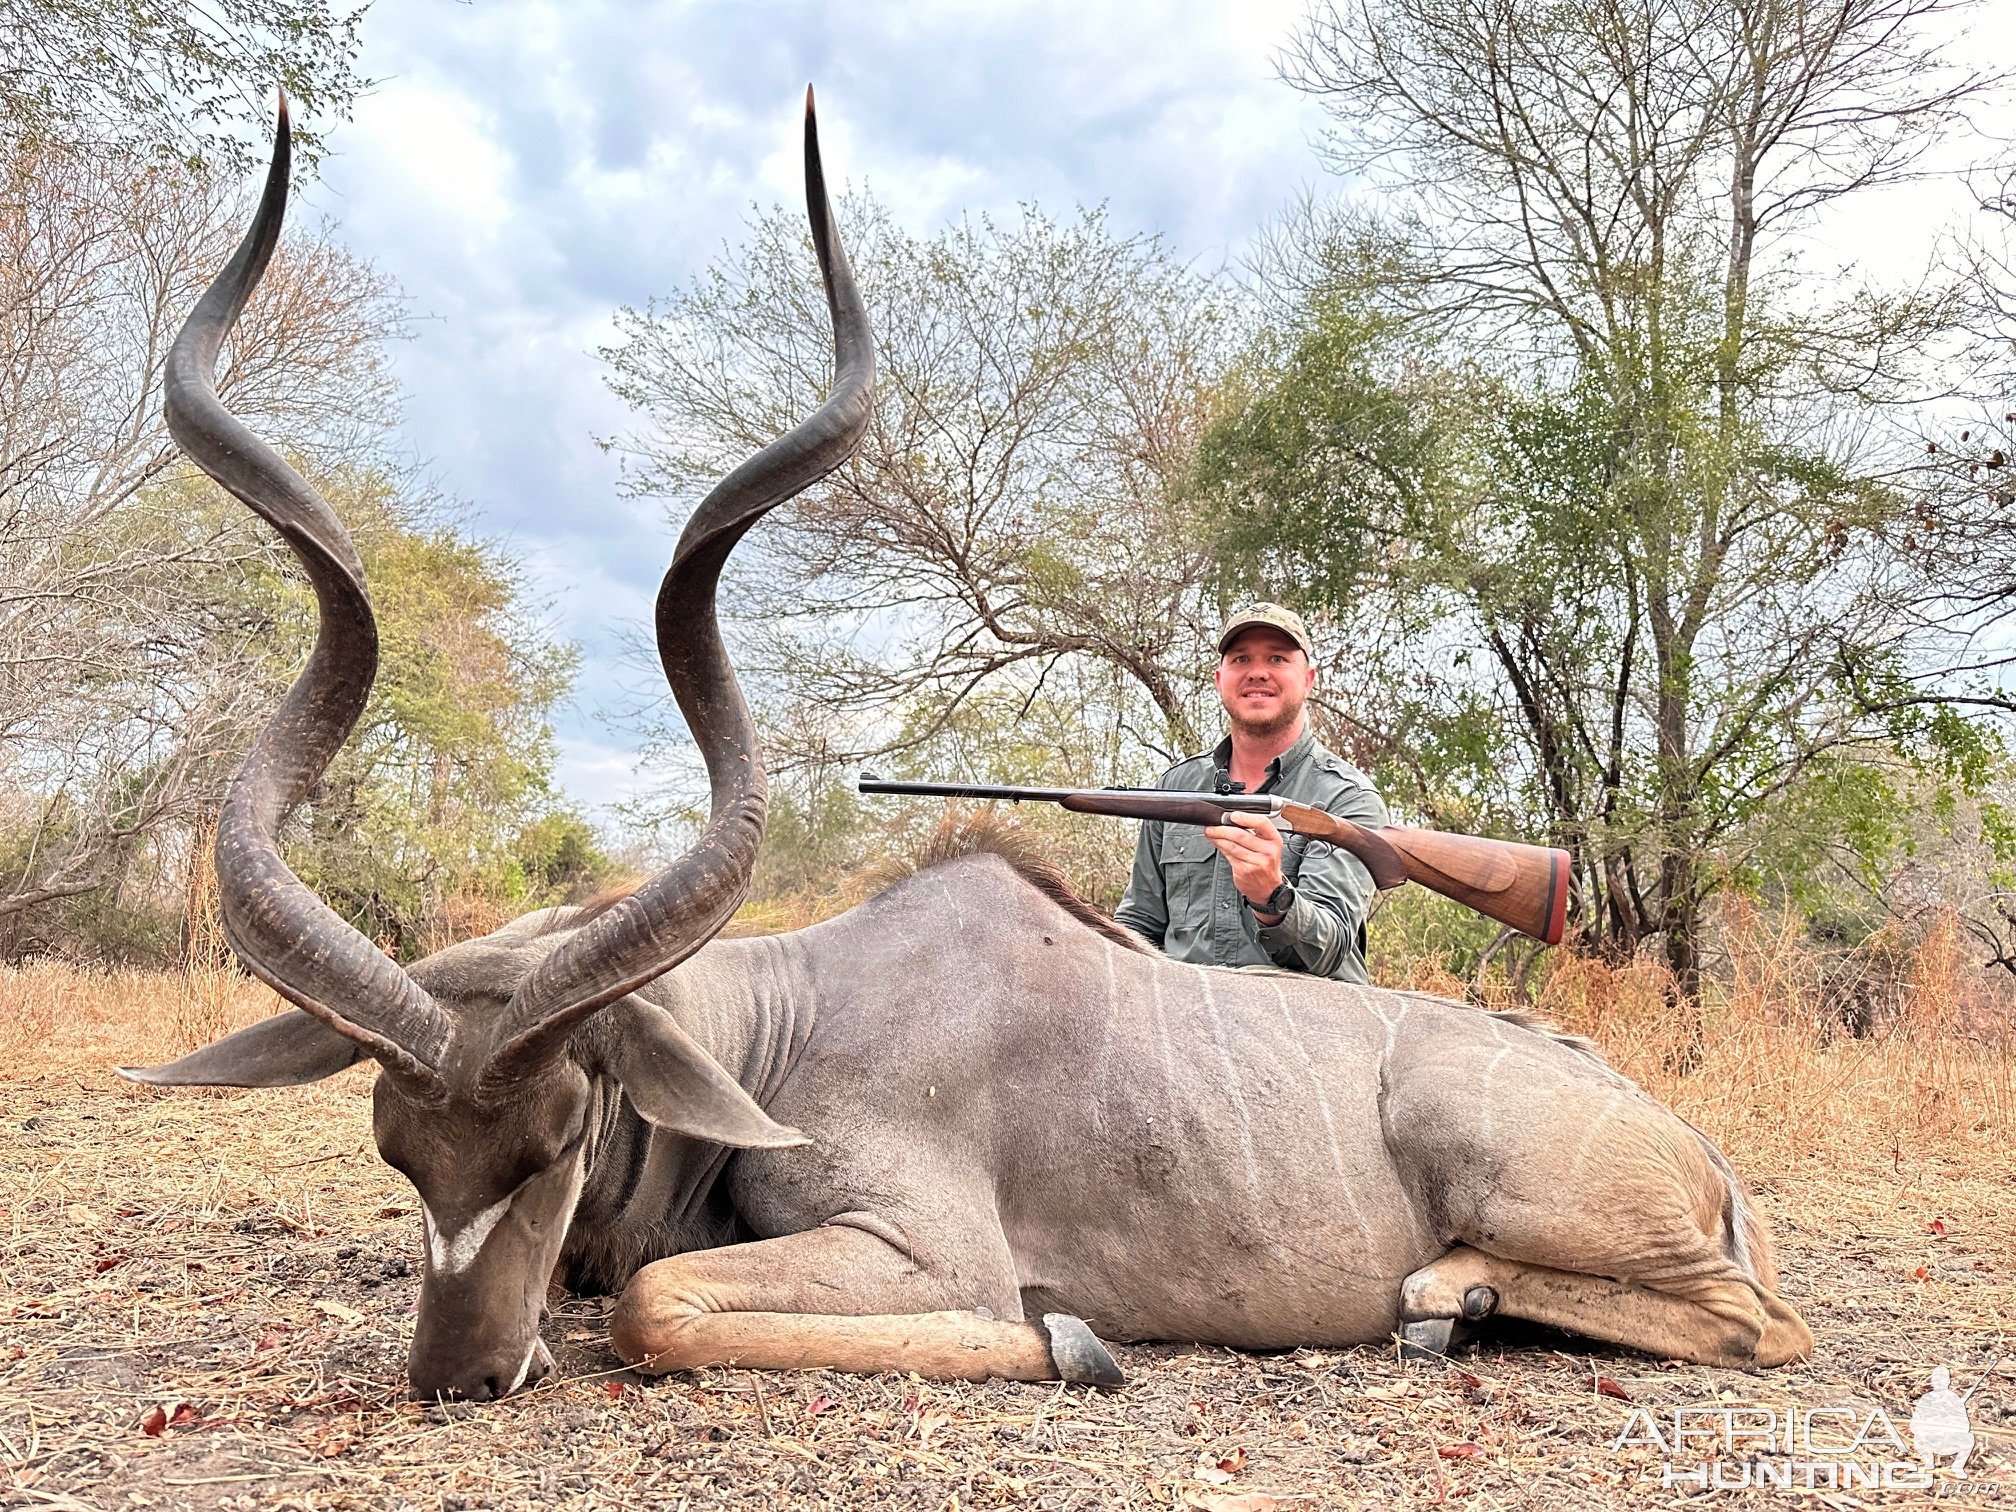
[(1252, 845)]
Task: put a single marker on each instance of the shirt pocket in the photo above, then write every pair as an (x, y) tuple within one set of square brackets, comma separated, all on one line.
[(1185, 843)]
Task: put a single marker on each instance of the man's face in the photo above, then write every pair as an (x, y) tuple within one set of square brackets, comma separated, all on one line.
[(1263, 681)]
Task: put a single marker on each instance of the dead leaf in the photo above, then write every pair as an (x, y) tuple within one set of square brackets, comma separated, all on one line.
[(1936, 1228), (1212, 1474), (1607, 1387), (1234, 1462), (154, 1422), (818, 1405), (183, 1415), (1923, 1273), (612, 1389), (1234, 1501), (1461, 1451), (338, 1311), (105, 1262)]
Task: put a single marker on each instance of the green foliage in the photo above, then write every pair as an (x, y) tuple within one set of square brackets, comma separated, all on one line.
[(1331, 450), (1412, 925), (1505, 552), (186, 82), (559, 860), (451, 761), (1847, 810), (115, 925), (815, 834), (442, 798), (1998, 832)]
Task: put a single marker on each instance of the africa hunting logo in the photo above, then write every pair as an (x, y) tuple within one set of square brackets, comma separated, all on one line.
[(1809, 1448)]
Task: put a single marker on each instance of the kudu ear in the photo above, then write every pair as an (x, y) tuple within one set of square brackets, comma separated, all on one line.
[(287, 1050), (679, 1086)]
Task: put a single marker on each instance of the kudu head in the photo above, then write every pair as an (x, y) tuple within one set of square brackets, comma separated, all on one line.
[(480, 1100)]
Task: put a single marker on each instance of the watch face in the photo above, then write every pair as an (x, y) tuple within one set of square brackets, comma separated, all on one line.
[(1282, 898)]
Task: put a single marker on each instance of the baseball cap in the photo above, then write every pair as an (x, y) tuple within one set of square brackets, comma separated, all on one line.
[(1275, 617)]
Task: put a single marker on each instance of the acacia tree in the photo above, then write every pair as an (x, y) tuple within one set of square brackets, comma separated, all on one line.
[(1015, 523), (1563, 421)]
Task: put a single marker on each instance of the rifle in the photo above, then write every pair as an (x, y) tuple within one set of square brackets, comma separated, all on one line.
[(1525, 886)]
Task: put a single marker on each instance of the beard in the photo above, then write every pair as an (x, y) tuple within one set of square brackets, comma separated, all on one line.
[(1289, 713)]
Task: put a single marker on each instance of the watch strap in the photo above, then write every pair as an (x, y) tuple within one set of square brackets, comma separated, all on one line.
[(1278, 901)]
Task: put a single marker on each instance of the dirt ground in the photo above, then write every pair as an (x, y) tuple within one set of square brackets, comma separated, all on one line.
[(204, 1301)]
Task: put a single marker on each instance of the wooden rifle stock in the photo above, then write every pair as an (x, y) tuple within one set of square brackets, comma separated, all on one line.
[(1524, 886)]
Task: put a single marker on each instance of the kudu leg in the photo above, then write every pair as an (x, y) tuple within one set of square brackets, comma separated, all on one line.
[(770, 1306), (1715, 1321)]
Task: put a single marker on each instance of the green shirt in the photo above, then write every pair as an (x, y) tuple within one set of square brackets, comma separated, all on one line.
[(1181, 898)]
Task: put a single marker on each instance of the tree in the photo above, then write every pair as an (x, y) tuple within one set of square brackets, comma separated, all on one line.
[(142, 84), (1014, 525), (442, 795), (124, 682), (149, 623), (1562, 427)]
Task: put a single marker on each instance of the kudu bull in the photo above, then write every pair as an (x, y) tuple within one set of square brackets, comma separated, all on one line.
[(1010, 1109)]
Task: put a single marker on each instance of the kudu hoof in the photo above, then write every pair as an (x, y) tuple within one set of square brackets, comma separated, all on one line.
[(1078, 1354), (1427, 1339)]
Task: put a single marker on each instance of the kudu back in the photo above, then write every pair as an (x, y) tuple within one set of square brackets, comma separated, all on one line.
[(1021, 1129)]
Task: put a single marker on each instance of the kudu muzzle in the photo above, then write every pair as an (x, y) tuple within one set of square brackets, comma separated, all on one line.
[(484, 1286)]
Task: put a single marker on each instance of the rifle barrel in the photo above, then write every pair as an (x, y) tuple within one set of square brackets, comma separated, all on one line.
[(1083, 800), (870, 783)]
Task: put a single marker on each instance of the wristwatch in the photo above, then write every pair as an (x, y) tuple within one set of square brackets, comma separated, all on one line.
[(1278, 901)]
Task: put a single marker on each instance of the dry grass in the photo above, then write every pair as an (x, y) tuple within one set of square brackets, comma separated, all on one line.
[(237, 1271), (1765, 1069)]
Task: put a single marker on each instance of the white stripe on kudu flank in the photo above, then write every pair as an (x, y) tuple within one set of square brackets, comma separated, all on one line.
[(1162, 1034), (1231, 1080), (1329, 1123), (1590, 1131), (453, 1255), (1484, 1093)]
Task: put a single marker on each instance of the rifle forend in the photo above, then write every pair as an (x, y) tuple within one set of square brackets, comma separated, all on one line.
[(1524, 886)]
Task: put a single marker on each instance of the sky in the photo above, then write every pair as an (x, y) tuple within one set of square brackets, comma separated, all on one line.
[(523, 168)]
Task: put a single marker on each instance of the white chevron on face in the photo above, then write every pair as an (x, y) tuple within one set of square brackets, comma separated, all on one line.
[(452, 1255)]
